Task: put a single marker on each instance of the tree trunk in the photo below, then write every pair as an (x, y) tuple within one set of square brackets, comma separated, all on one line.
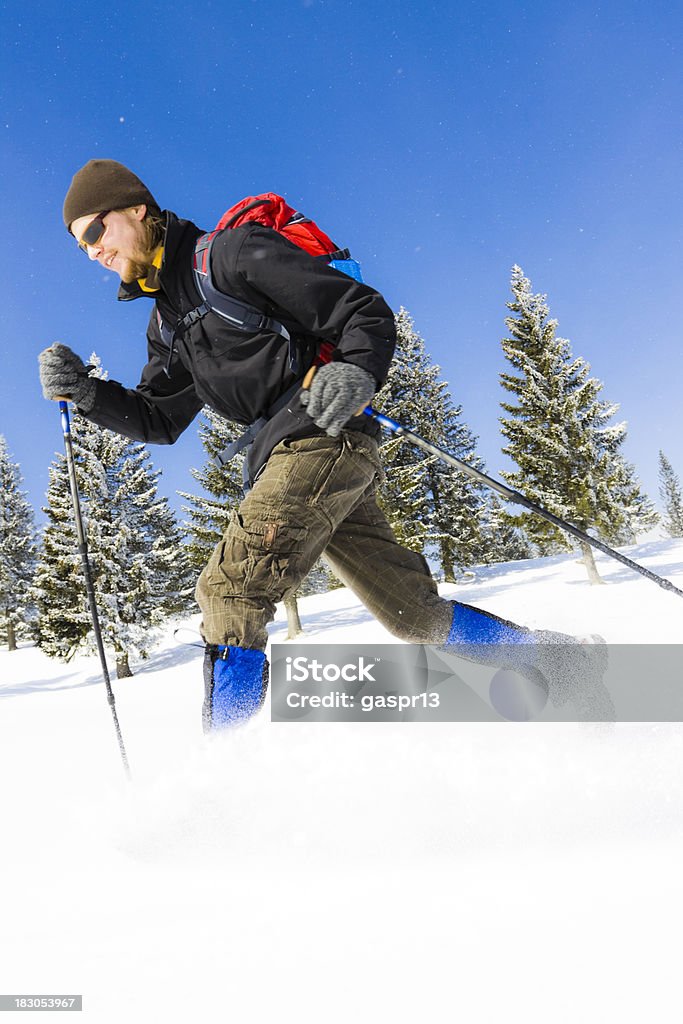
[(589, 562), (123, 670), (293, 621), (11, 635), (447, 563)]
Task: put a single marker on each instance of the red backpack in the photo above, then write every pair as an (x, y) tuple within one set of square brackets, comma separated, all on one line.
[(272, 211)]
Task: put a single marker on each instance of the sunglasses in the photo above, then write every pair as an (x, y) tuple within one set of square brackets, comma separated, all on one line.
[(94, 231)]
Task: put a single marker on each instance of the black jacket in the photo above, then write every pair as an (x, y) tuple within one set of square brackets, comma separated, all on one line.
[(242, 374)]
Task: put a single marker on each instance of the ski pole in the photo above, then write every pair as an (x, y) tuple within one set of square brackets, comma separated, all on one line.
[(87, 572), (516, 497)]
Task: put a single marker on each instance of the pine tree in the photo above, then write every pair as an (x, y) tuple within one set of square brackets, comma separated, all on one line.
[(17, 553), (639, 514), (222, 485), (409, 395), (503, 539), (146, 568), (672, 499), (140, 567), (431, 507), (58, 591), (561, 436), (458, 505), (320, 580)]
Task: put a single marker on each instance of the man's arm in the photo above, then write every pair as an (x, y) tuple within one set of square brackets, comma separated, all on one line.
[(160, 408)]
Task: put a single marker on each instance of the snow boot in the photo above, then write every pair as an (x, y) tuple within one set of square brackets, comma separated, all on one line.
[(235, 685), (559, 666), (473, 626)]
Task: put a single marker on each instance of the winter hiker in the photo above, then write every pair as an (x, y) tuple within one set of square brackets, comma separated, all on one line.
[(313, 465)]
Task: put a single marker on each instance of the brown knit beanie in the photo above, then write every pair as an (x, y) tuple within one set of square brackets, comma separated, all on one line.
[(104, 185)]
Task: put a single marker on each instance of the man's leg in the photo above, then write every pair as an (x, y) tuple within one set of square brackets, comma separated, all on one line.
[(280, 529), (395, 584)]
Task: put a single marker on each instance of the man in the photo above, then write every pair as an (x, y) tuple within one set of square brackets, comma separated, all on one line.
[(313, 466)]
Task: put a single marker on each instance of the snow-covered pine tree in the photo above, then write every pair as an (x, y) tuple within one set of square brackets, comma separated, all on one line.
[(141, 571), (503, 540), (672, 499), (148, 558), (431, 507), (320, 580), (639, 515), (560, 434), (58, 591), (17, 552), (223, 488), (411, 395), (458, 505)]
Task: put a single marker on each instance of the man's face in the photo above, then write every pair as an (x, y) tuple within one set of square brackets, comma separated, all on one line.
[(122, 247)]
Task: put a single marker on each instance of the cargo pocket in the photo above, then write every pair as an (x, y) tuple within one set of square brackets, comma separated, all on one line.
[(257, 557)]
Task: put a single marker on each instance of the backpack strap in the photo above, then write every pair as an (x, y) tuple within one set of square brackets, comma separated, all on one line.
[(247, 438), (232, 221), (239, 314)]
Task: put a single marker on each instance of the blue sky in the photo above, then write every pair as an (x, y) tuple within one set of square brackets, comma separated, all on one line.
[(443, 142)]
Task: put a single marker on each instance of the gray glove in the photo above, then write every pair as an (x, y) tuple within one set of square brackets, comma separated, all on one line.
[(338, 392), (63, 374)]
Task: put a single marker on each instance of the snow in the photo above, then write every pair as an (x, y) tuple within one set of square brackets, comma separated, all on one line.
[(330, 872)]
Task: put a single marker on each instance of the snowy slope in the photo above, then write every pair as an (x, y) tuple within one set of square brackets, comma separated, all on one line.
[(327, 872)]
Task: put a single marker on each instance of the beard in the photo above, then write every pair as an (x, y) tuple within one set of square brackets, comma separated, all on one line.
[(138, 267)]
